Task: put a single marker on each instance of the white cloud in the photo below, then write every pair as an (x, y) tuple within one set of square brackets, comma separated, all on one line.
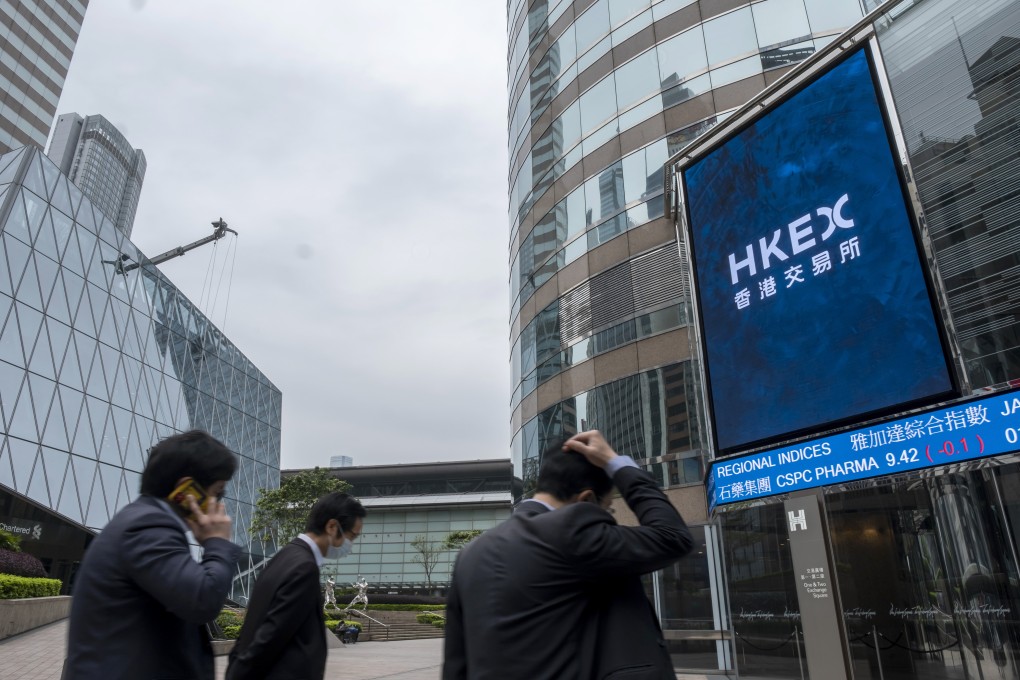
[(359, 150)]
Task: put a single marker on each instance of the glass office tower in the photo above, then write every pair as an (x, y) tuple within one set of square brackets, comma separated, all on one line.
[(100, 358), (37, 42)]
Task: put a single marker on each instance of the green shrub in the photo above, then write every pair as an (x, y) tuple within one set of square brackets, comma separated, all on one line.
[(9, 541), (14, 587), (441, 623), (231, 632), (229, 617), (429, 617), (333, 624)]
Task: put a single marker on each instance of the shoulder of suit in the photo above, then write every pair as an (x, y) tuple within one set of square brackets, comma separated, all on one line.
[(144, 510), (297, 551)]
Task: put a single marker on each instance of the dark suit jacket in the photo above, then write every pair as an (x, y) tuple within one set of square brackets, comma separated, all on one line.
[(284, 630), (558, 594), (140, 601)]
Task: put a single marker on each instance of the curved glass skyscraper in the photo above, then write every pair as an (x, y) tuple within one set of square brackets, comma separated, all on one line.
[(600, 95)]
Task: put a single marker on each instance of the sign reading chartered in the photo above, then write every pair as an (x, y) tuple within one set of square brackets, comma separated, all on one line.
[(23, 528)]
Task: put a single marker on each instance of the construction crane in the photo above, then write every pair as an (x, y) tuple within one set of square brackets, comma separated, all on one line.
[(220, 230)]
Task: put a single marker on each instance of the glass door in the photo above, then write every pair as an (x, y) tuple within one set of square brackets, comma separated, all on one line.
[(927, 575)]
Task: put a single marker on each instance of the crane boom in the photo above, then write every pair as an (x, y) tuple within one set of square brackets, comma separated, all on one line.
[(220, 230)]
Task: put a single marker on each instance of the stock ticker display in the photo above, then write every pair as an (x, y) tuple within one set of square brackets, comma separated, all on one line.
[(964, 431)]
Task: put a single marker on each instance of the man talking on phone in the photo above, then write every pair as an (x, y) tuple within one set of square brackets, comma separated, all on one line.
[(141, 601)]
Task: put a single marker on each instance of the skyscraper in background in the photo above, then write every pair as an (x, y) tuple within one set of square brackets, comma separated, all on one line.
[(37, 42), (340, 461), (101, 162)]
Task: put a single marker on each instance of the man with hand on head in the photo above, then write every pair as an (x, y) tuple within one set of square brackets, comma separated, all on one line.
[(141, 601), (284, 631), (555, 591)]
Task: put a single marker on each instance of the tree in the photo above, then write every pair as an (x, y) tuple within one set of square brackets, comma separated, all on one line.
[(280, 514), (428, 555), (456, 540)]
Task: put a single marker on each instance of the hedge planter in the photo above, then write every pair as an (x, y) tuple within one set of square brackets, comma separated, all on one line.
[(18, 616)]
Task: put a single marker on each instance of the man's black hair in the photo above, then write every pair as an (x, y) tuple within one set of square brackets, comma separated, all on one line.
[(342, 507), (194, 454), (564, 474)]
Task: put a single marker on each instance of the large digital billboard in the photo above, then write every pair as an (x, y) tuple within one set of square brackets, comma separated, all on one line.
[(814, 306)]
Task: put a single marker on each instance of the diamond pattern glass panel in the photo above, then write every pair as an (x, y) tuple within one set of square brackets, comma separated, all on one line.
[(96, 366)]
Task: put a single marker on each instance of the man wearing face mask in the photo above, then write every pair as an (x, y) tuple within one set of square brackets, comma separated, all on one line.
[(284, 630)]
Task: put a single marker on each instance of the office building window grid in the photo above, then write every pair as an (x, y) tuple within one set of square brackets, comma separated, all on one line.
[(37, 42), (646, 416), (384, 554), (96, 366), (102, 163)]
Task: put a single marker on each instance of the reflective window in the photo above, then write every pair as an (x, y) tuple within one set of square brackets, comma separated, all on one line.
[(953, 78), (598, 104), (667, 7), (631, 28), (730, 36), (636, 79), (681, 56), (592, 25), (621, 11), (777, 21), (826, 16), (628, 412), (738, 70)]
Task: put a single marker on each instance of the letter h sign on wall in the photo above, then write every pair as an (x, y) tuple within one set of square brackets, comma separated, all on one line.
[(797, 520)]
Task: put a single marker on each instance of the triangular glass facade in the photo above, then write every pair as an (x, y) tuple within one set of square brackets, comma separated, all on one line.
[(96, 365)]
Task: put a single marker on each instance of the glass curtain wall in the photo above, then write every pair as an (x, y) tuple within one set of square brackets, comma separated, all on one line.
[(579, 79), (99, 360)]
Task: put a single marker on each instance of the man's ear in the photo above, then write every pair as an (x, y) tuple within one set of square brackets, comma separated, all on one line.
[(587, 496)]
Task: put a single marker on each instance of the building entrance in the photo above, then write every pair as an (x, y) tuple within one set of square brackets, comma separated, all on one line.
[(926, 569), (927, 573)]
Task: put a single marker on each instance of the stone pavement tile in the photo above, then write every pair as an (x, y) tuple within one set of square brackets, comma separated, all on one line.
[(39, 655), (404, 660), (35, 655)]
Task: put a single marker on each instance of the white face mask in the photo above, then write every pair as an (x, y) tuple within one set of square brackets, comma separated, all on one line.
[(336, 552)]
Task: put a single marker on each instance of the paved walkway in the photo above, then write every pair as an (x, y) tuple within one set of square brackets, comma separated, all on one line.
[(39, 655)]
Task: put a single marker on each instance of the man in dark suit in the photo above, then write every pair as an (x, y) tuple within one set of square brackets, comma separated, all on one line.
[(555, 591), (140, 598), (284, 630)]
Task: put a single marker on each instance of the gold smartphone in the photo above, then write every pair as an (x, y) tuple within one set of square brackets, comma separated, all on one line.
[(179, 496)]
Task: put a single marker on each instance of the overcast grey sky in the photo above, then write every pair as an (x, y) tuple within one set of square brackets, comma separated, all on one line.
[(359, 150)]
